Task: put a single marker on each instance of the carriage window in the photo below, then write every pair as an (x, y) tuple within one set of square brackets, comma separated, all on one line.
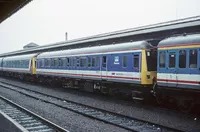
[(83, 62), (104, 61), (77, 62), (136, 61), (67, 62), (49, 62), (89, 61), (56, 62), (74, 61), (63, 62), (60, 62), (124, 61), (172, 60), (93, 61), (45, 62), (162, 60), (97, 61), (182, 59), (193, 58), (71, 62)]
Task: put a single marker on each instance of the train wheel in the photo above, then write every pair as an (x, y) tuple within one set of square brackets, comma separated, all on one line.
[(185, 105)]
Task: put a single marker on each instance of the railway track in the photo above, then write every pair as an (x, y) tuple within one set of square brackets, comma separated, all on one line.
[(128, 123), (30, 121)]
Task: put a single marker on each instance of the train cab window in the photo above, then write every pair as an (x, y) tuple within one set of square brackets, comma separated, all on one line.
[(162, 59), (182, 59), (89, 61), (97, 61), (136, 61), (193, 58), (172, 60), (93, 61), (124, 61), (104, 61)]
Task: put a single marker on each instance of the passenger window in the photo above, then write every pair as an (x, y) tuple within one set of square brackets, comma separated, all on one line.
[(74, 59), (136, 61), (162, 59), (104, 61), (56, 62), (67, 62), (124, 61), (63, 62), (49, 62), (97, 61), (193, 58), (172, 60), (182, 59), (77, 62), (89, 61), (93, 61), (71, 62), (83, 62), (60, 62)]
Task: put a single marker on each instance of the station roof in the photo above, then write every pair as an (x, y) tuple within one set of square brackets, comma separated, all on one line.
[(150, 32), (9, 7)]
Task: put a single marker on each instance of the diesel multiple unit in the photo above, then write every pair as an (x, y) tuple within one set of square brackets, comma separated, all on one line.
[(170, 71)]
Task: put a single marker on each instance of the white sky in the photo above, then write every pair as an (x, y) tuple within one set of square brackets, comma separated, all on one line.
[(46, 21)]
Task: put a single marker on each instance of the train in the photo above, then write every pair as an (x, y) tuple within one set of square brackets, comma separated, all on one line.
[(168, 72)]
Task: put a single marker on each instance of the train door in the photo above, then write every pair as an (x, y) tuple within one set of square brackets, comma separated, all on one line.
[(172, 69), (104, 61), (194, 65), (137, 65), (181, 66)]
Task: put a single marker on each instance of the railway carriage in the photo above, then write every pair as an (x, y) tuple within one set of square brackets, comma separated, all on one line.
[(125, 67), (178, 74), (20, 66)]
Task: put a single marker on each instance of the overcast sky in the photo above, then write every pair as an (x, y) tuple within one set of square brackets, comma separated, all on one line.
[(46, 21)]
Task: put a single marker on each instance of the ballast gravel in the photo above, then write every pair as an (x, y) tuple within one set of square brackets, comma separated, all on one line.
[(155, 115), (66, 119)]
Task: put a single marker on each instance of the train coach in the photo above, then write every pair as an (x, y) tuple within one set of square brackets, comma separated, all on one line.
[(128, 68), (22, 66), (178, 70)]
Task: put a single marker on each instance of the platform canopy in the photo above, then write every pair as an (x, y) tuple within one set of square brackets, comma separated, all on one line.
[(151, 33), (9, 7)]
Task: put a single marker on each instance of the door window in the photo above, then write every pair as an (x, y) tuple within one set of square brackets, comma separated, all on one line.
[(136, 61), (104, 61), (172, 60), (162, 59), (182, 59), (193, 58)]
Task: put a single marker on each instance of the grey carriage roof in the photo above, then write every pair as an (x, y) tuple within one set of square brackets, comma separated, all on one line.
[(19, 57), (180, 40), (99, 49)]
